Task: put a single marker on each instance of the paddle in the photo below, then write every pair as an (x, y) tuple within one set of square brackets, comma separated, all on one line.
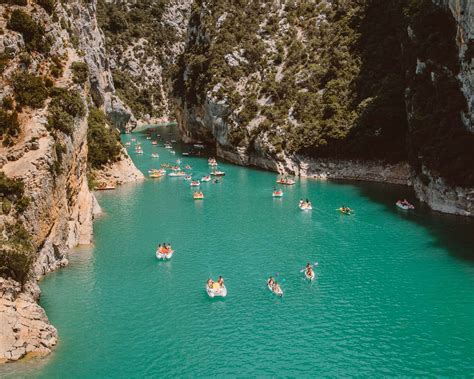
[(314, 264)]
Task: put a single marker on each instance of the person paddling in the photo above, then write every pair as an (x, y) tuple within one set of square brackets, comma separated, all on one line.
[(270, 281)]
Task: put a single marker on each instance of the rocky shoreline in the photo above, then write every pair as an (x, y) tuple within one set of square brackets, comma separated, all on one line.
[(25, 329), (435, 192)]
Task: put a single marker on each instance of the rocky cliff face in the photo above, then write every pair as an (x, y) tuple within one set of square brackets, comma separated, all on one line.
[(143, 41), (51, 163), (293, 86), (463, 13)]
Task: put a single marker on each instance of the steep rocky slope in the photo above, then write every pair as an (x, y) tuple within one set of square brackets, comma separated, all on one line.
[(54, 74), (143, 39), (316, 87)]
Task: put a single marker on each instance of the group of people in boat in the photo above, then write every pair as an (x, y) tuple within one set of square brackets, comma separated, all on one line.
[(273, 284), (286, 181), (405, 203), (216, 285), (164, 248), (345, 209), (305, 203)]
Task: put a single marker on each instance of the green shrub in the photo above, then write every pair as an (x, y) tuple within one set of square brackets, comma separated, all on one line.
[(103, 142), (48, 5), (22, 204), (80, 72), (66, 105), (32, 32), (30, 90), (12, 192), (9, 125), (7, 103), (16, 252), (4, 60)]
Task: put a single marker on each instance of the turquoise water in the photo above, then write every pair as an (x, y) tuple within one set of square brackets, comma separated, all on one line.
[(393, 296)]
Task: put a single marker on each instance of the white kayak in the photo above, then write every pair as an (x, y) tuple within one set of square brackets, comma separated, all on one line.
[(305, 207), (309, 277), (406, 207), (164, 256), (220, 292), (278, 293)]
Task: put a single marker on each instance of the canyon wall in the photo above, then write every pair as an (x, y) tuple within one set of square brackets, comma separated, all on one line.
[(52, 164), (339, 88)]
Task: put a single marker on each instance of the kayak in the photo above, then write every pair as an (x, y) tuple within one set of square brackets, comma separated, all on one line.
[(288, 182), (195, 184), (220, 292), (177, 174), (277, 193), (156, 174), (187, 177), (164, 256), (218, 173), (198, 196), (278, 293), (309, 277), (344, 211), (305, 207), (405, 207), (154, 155), (206, 179)]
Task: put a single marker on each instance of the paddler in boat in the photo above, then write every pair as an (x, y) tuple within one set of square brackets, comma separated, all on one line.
[(209, 282), (276, 287), (309, 270), (270, 281), (220, 281)]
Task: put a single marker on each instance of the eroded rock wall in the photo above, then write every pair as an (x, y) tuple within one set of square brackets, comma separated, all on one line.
[(53, 165)]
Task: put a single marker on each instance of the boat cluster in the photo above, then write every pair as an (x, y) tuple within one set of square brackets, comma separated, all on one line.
[(176, 171), (218, 289)]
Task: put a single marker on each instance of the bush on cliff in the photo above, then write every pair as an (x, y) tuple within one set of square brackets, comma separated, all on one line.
[(80, 71), (9, 125), (16, 252), (48, 5), (30, 90), (12, 192), (103, 142), (33, 33), (66, 105)]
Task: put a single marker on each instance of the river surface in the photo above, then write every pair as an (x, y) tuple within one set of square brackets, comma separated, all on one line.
[(394, 294)]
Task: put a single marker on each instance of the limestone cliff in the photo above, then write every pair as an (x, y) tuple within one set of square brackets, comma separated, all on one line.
[(45, 147), (316, 87), (143, 40)]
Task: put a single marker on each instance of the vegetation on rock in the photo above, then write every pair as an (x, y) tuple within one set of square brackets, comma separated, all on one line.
[(16, 252), (30, 90), (66, 105), (330, 79), (103, 141), (33, 33), (138, 41)]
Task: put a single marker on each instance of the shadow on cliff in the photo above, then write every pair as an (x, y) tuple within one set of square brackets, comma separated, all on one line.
[(454, 233)]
